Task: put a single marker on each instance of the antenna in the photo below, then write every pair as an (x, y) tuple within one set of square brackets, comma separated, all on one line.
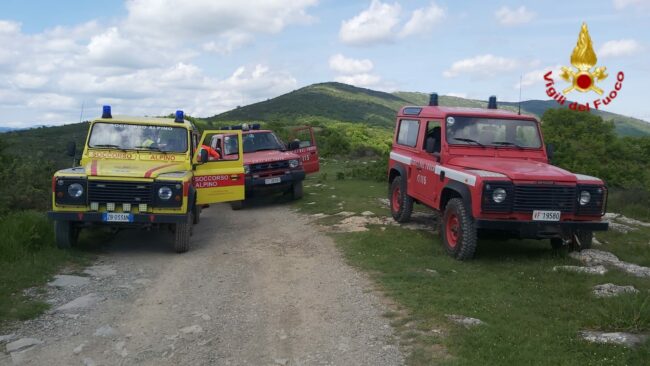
[(519, 104), (81, 115)]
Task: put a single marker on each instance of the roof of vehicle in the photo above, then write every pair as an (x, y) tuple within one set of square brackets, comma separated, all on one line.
[(146, 120), (440, 112)]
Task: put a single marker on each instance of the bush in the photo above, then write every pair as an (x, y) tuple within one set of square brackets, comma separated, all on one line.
[(24, 234)]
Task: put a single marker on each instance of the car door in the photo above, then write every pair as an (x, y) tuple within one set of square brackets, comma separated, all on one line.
[(220, 180), (425, 183), (306, 149)]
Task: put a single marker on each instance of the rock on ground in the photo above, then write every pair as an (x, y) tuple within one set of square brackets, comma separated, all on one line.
[(81, 302), (600, 257), (192, 329), (620, 338), (610, 290), (22, 344), (7, 337), (101, 271), (105, 331), (599, 270), (69, 281), (464, 320)]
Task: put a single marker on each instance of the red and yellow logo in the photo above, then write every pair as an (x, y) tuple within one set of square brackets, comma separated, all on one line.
[(583, 76)]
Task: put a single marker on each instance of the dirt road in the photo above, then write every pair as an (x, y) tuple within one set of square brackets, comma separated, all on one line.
[(259, 287)]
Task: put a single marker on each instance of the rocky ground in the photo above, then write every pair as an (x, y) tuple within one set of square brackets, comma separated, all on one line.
[(259, 287)]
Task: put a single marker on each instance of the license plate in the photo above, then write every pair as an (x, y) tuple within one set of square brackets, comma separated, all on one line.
[(117, 217), (546, 215), (272, 180)]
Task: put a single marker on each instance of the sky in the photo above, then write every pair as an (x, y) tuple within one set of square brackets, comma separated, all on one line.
[(60, 61)]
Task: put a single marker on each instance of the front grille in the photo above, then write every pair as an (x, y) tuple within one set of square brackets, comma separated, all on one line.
[(120, 192), (544, 197), (274, 165)]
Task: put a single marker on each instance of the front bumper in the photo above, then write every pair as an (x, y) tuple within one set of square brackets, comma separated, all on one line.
[(97, 217), (541, 229), (285, 179)]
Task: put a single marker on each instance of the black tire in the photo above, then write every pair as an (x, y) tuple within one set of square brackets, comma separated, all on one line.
[(401, 204), (296, 190), (237, 205), (458, 230), (197, 214), (182, 235), (65, 234)]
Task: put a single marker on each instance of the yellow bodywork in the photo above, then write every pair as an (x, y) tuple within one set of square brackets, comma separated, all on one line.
[(115, 165)]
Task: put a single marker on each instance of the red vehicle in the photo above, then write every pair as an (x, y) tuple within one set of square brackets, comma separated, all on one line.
[(269, 163), (487, 171)]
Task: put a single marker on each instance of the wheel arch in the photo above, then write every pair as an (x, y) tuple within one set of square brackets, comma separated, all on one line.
[(395, 171), (455, 189)]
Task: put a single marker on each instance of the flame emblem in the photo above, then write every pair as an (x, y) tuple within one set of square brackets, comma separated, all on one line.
[(583, 59)]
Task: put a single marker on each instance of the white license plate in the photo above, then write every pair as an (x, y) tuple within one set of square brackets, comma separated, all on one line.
[(546, 215), (117, 217), (272, 180)]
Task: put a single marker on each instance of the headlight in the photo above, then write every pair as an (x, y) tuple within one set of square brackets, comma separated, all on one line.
[(294, 163), (585, 197), (499, 195), (75, 190), (164, 193), (247, 169)]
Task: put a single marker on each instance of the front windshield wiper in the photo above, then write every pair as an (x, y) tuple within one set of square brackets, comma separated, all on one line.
[(507, 143), (109, 146), (468, 140), (155, 148), (267, 148)]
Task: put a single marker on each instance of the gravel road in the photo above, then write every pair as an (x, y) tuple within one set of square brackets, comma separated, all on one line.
[(260, 286)]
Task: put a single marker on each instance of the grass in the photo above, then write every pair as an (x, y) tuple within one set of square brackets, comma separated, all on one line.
[(28, 258), (533, 314)]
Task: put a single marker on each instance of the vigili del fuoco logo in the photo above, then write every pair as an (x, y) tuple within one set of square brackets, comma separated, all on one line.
[(584, 76)]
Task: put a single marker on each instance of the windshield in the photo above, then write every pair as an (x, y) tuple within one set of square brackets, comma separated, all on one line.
[(138, 137), (260, 141), (492, 132)]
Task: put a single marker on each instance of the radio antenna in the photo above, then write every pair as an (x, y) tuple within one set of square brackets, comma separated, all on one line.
[(519, 104), (81, 115)]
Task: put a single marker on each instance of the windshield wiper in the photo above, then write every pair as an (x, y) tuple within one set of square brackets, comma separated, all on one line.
[(469, 140), (267, 148), (507, 143), (155, 148), (109, 146)]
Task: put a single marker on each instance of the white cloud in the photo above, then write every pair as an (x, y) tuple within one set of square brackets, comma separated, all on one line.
[(458, 95), (381, 23), (622, 4), (362, 80), (510, 17), (621, 47), (221, 22), (9, 27), (29, 81), (484, 65), (423, 20), (374, 25), (344, 65), (537, 76)]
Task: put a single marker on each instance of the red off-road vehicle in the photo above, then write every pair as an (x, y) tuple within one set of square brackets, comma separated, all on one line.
[(487, 170), (269, 163)]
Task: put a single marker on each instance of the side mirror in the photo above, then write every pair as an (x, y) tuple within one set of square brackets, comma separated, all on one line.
[(550, 149), (71, 149), (293, 145), (203, 156)]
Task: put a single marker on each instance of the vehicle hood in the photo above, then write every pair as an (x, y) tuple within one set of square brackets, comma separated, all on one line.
[(516, 169), (268, 156), (131, 168)]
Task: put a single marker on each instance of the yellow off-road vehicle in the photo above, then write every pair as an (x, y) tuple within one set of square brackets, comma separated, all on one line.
[(144, 173)]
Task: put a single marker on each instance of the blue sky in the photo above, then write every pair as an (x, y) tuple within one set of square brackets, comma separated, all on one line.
[(150, 57)]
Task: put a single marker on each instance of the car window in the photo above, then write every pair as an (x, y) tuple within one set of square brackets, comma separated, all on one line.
[(408, 132)]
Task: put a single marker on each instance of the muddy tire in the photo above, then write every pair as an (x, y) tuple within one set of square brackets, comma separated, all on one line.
[(182, 235), (65, 234), (296, 190), (401, 204), (237, 205), (458, 230)]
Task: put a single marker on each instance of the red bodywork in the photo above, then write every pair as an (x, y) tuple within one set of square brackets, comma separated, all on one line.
[(429, 176)]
